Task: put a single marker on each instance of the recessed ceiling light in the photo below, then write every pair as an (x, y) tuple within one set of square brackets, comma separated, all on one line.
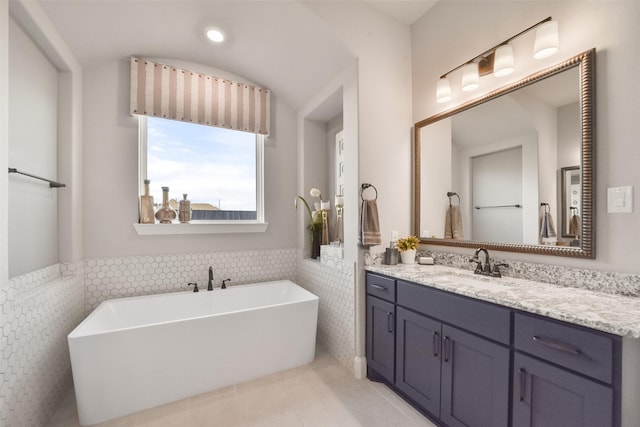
[(214, 34)]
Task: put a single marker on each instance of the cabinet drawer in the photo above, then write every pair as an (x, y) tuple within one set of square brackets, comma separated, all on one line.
[(381, 287), (482, 318), (576, 348)]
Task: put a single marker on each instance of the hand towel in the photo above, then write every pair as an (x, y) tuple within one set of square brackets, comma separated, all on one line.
[(369, 223), (453, 223), (574, 225), (547, 229)]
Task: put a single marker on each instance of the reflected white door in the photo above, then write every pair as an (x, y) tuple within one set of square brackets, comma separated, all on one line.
[(496, 183)]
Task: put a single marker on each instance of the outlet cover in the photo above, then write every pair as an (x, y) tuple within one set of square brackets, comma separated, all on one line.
[(620, 199)]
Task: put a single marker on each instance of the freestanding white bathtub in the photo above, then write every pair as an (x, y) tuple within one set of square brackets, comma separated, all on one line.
[(135, 353)]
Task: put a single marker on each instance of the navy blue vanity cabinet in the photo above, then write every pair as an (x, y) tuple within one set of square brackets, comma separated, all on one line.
[(564, 375), (419, 359), (475, 380), (380, 345), (457, 376)]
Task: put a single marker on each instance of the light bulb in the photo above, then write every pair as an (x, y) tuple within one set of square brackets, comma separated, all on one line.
[(215, 35)]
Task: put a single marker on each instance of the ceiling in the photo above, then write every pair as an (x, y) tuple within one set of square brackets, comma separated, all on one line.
[(278, 44)]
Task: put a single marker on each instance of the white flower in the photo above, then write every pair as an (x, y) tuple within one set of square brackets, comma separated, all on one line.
[(315, 192)]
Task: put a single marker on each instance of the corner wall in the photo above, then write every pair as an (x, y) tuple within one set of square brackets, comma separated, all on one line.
[(39, 308)]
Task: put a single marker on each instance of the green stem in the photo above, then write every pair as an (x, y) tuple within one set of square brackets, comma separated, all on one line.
[(306, 205)]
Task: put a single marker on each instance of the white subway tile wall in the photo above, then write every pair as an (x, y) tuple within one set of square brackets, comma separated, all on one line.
[(39, 309), (334, 285)]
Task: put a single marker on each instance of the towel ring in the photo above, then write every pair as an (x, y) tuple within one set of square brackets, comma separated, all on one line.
[(450, 194), (363, 187)]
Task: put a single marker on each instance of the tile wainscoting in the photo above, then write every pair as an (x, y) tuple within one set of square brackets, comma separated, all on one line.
[(39, 309), (107, 278), (334, 285)]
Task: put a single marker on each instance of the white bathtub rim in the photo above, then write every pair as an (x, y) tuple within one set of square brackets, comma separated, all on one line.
[(74, 334)]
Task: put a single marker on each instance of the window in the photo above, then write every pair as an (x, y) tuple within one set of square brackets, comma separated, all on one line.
[(219, 169)]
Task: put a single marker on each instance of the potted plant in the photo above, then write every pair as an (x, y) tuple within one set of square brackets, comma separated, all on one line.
[(407, 248)]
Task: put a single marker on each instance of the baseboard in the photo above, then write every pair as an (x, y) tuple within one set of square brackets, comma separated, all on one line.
[(360, 367)]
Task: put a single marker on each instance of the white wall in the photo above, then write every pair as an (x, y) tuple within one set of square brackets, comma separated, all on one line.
[(569, 136), (453, 32), (33, 148), (4, 143), (111, 171), (382, 47), (436, 178)]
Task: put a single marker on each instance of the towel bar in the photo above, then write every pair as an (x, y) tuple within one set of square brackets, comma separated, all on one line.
[(52, 184), (499, 206)]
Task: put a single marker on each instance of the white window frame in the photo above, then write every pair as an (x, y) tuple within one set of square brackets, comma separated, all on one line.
[(259, 225)]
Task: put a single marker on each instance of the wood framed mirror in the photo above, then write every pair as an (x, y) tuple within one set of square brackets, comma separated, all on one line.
[(505, 129)]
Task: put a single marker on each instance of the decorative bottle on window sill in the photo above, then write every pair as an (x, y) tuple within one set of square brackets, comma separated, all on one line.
[(166, 214), (146, 206), (184, 210)]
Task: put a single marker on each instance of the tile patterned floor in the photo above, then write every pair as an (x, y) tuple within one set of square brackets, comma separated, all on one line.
[(321, 394)]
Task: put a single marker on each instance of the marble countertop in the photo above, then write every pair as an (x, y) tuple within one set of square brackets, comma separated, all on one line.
[(615, 314)]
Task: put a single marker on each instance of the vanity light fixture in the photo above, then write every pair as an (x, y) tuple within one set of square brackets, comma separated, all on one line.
[(214, 34), (499, 59)]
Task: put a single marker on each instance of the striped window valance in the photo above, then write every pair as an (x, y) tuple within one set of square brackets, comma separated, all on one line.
[(164, 91)]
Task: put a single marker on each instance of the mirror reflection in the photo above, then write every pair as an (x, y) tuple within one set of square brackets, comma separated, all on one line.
[(509, 169)]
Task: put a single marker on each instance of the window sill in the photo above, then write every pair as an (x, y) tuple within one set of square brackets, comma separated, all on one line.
[(201, 227)]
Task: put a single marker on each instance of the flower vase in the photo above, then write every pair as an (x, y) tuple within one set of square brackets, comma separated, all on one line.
[(316, 236), (166, 214), (408, 256)]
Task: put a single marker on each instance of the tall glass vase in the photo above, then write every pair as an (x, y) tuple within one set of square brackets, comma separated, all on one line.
[(325, 227), (316, 236)]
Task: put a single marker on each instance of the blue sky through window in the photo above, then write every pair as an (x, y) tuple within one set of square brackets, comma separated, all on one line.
[(211, 165)]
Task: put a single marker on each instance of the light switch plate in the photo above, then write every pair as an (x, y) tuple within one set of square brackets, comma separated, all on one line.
[(620, 199)]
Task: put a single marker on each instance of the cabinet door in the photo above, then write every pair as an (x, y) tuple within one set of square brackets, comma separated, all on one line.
[(547, 396), (419, 347), (475, 381), (381, 337)]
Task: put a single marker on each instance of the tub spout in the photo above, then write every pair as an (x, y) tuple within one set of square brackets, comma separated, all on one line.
[(210, 285)]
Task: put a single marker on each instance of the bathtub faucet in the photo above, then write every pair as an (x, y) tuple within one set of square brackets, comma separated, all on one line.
[(224, 283), (210, 285)]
